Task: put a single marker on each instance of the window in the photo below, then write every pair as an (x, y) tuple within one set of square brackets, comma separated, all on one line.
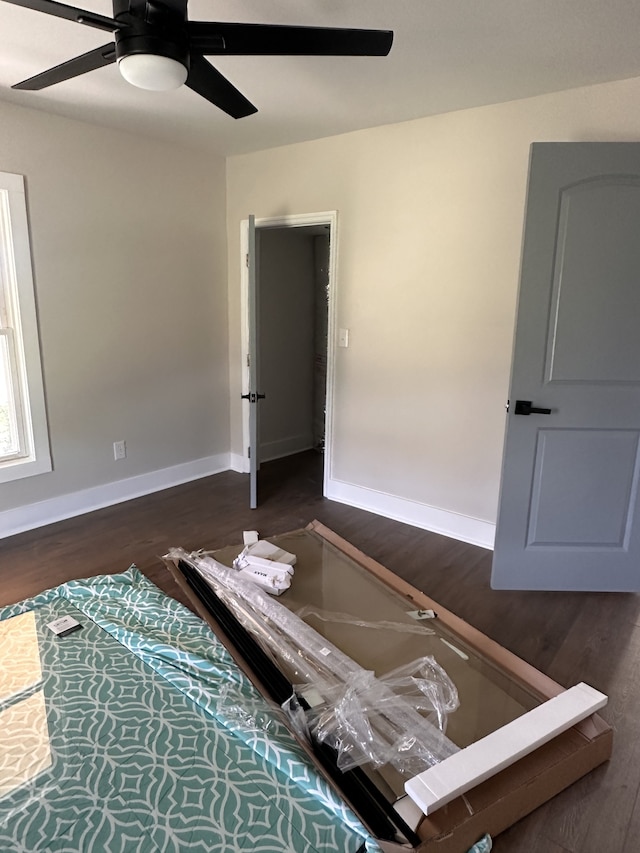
[(24, 442)]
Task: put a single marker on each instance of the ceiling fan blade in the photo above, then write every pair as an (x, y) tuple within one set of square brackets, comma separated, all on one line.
[(213, 38), (104, 55), (70, 13), (207, 81)]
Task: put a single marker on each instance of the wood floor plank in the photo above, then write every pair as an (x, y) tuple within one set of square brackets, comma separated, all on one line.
[(528, 843), (632, 841), (604, 650)]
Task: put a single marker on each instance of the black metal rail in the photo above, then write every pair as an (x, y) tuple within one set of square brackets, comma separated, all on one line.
[(371, 804)]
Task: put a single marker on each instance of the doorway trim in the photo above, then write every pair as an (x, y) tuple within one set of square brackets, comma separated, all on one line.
[(300, 220)]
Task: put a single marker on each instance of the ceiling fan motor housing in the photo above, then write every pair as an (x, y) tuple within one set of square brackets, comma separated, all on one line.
[(154, 28)]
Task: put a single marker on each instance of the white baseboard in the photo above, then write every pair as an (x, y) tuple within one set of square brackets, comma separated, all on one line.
[(426, 517), (239, 463), (271, 450), (461, 527), (38, 514)]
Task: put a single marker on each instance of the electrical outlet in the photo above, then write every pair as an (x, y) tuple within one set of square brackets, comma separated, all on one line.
[(119, 450)]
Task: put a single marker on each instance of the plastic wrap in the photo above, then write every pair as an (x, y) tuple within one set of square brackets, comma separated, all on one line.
[(308, 657), (334, 616), (252, 716), (398, 720)]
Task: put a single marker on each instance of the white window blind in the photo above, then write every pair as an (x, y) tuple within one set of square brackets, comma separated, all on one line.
[(24, 444)]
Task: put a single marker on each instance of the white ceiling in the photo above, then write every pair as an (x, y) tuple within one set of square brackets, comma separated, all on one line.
[(447, 55)]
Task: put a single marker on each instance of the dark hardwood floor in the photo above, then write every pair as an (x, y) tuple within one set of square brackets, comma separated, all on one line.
[(572, 637)]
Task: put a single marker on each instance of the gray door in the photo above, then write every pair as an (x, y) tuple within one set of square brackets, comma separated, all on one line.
[(569, 513)]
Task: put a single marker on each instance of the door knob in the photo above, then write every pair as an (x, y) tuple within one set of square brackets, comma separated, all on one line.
[(524, 407)]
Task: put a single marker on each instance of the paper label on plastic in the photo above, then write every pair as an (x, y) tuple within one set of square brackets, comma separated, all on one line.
[(312, 697), (421, 614)]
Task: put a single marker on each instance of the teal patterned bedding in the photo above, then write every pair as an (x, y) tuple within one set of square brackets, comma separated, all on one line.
[(157, 743)]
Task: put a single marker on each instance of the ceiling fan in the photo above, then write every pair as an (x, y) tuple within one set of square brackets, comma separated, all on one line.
[(157, 47)]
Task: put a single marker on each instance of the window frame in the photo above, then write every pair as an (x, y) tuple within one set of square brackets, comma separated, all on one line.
[(21, 333)]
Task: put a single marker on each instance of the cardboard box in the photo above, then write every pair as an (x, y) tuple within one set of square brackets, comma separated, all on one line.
[(499, 802)]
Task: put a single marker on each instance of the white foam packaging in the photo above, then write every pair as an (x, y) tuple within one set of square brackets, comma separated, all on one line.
[(266, 565), (272, 580), (264, 550)]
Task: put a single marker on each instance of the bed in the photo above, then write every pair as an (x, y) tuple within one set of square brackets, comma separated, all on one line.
[(138, 734)]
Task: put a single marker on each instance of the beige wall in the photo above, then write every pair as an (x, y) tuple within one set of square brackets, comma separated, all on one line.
[(128, 240), (430, 225)]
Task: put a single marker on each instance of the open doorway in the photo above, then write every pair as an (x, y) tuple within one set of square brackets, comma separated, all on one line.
[(294, 294), (292, 306)]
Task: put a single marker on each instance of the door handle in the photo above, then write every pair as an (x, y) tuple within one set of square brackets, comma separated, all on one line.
[(524, 407), (251, 397)]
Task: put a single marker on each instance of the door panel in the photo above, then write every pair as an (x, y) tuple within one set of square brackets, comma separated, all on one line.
[(569, 517), (597, 256), (582, 488)]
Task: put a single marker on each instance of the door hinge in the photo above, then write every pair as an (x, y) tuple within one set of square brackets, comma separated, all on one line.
[(246, 260), (248, 360), (249, 452)]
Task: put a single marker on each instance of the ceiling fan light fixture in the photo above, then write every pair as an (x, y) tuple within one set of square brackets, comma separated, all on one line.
[(152, 71), (157, 47)]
